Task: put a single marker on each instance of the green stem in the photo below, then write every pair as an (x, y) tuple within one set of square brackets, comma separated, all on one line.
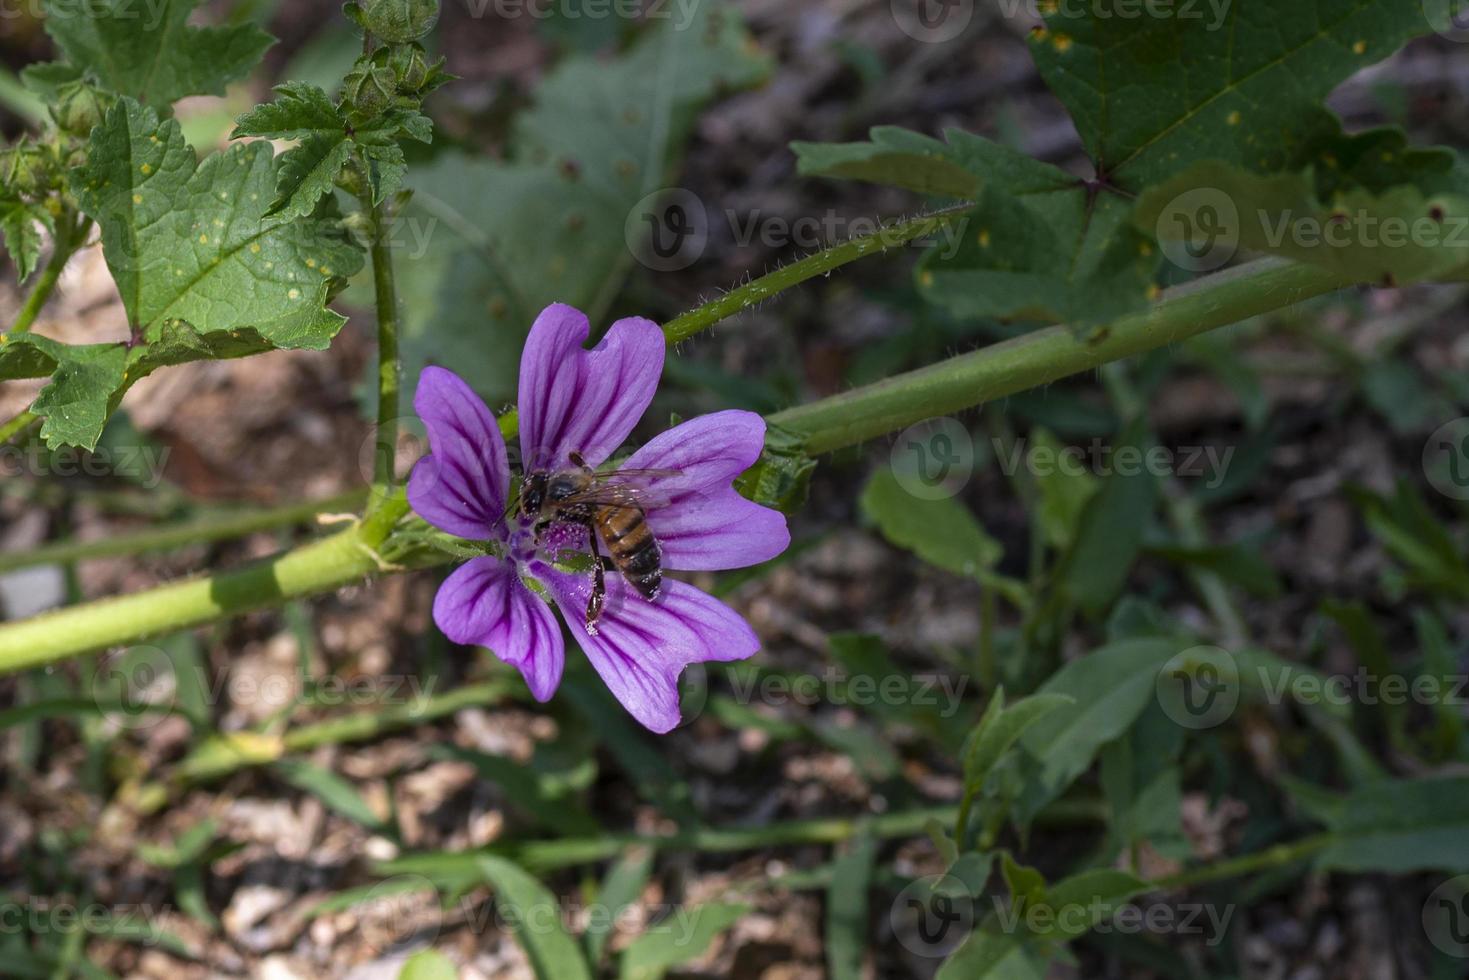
[(1272, 857), (178, 535), (845, 420), (1047, 355), (67, 235), (317, 567), (17, 425), (759, 290), (389, 365)]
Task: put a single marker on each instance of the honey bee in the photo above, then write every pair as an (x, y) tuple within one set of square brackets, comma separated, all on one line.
[(611, 507)]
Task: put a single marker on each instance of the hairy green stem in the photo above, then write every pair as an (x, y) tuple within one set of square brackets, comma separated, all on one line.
[(389, 365), (844, 420), (1050, 354), (177, 535)]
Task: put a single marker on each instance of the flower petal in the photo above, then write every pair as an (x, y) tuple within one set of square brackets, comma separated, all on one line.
[(484, 603), (641, 647), (699, 520), (587, 401), (460, 487)]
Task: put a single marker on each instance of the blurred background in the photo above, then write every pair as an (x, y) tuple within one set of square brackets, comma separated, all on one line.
[(629, 168)]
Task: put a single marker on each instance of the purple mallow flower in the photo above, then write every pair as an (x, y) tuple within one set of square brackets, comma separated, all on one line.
[(577, 406)]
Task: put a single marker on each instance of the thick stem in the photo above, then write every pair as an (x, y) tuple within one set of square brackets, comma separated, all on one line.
[(845, 420), (178, 535), (389, 366), (1050, 354)]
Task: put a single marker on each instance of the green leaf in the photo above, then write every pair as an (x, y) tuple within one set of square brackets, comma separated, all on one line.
[(526, 789), (1240, 565), (533, 915), (1072, 906), (309, 170), (203, 271), (1399, 236), (149, 51), (941, 532), (1039, 245), (621, 887), (1064, 491), (993, 956), (21, 224), (338, 794), (491, 243), (846, 909), (1409, 531), (1111, 687), (1400, 827), (781, 477), (684, 937), (999, 730), (429, 964), (1151, 95), (1111, 532)]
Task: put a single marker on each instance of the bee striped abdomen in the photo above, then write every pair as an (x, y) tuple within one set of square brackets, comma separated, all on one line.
[(632, 547)]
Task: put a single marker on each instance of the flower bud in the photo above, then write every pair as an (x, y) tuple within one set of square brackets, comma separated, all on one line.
[(23, 167), (409, 66), (79, 108), (400, 21), (370, 87)]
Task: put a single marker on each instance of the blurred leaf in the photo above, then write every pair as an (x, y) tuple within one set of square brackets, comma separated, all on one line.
[(1065, 492), (1004, 262), (846, 909), (1110, 686), (623, 884), (429, 964), (153, 54), (678, 940), (999, 730), (339, 795), (488, 243), (21, 224), (1400, 827), (1072, 906), (941, 532), (1401, 236), (1238, 564), (533, 915), (993, 956), (1410, 532), (525, 789), (1110, 532)]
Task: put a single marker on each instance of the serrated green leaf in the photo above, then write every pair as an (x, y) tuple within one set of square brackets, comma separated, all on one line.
[(299, 110), (1242, 83), (203, 271), (942, 532), (492, 243), (1040, 244), (1399, 236), (21, 225), (149, 51)]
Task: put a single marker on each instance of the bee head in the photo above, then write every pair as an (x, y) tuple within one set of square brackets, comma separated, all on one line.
[(532, 494)]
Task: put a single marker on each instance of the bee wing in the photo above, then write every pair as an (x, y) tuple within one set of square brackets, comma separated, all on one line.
[(630, 488)]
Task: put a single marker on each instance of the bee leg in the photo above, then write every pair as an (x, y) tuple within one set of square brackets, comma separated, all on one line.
[(601, 565)]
